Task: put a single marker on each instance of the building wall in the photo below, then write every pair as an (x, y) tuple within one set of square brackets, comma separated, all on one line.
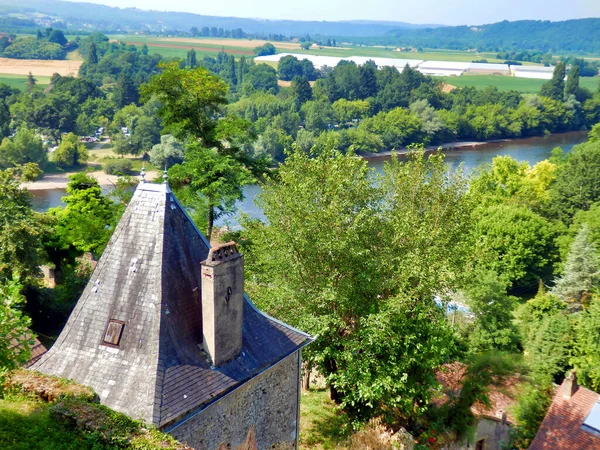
[(268, 403), (492, 432)]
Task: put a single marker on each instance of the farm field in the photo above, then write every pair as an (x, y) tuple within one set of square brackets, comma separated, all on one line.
[(18, 81), (178, 47), (38, 67), (503, 83)]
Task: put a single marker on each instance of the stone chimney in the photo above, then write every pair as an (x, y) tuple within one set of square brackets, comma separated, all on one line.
[(570, 385), (222, 303)]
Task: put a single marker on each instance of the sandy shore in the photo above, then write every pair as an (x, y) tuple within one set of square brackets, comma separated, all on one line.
[(60, 180), (432, 148)]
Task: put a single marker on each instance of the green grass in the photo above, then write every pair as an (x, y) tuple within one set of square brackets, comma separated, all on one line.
[(27, 424), (321, 425), (504, 83), (18, 81)]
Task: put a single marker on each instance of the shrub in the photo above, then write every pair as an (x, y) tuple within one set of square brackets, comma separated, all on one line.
[(118, 167)]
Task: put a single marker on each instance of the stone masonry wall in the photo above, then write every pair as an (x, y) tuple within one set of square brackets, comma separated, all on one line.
[(269, 403)]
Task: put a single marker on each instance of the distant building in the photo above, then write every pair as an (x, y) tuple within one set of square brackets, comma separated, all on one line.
[(538, 72), (573, 420), (164, 332), (37, 350)]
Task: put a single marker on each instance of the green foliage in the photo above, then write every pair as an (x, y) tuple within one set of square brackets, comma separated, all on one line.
[(347, 111), (529, 413), (118, 167), (323, 262), (576, 186), (189, 101), (70, 152), (265, 50), (15, 338), (25, 147), (586, 355), (301, 91), (210, 180), (492, 310), (32, 48), (555, 87), (581, 272), (515, 242), (397, 128), (88, 220), (260, 77), (21, 231), (168, 153)]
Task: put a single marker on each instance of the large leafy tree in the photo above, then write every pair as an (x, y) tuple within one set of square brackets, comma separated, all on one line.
[(21, 231), (25, 147), (190, 101), (555, 87), (89, 218), (358, 263), (218, 159), (586, 358)]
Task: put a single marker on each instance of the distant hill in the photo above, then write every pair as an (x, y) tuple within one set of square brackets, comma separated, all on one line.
[(108, 19), (580, 35)]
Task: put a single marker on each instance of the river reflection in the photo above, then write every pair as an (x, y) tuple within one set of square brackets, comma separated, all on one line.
[(531, 150)]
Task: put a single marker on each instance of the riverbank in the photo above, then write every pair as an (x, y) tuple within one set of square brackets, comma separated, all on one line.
[(60, 180), (469, 145)]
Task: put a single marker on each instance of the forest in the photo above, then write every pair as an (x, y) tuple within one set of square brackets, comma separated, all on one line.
[(363, 261)]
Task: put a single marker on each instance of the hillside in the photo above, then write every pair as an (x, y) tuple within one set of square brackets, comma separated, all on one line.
[(581, 35), (108, 19)]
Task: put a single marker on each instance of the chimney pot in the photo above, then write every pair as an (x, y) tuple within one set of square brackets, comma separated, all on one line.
[(570, 385)]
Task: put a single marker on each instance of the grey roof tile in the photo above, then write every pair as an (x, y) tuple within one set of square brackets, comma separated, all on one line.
[(146, 278)]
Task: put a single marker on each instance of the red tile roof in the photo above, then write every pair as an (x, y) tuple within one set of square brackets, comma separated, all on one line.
[(502, 397), (561, 428), (37, 349)]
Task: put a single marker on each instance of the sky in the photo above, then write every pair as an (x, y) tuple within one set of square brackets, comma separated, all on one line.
[(445, 12)]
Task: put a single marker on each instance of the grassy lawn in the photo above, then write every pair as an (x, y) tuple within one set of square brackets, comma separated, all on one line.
[(18, 81), (503, 83), (27, 424), (321, 426)]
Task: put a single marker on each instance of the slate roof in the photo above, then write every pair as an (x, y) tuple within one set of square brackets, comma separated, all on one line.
[(561, 428), (149, 278)]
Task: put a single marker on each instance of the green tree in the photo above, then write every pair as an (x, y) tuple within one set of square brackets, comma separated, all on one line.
[(168, 153), (21, 231), (514, 242), (125, 91), (492, 309), (70, 152), (57, 37), (209, 180), (30, 83), (25, 147), (323, 259), (572, 84), (301, 91), (368, 80), (121, 144), (92, 58), (346, 111), (189, 100), (260, 77), (586, 354), (266, 49), (555, 87), (15, 338), (191, 61), (581, 273), (88, 220), (576, 186), (289, 68)]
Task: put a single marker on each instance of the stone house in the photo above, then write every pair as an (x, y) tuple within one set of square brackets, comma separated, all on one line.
[(164, 333)]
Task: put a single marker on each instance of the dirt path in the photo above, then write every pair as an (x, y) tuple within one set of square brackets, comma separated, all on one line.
[(60, 180)]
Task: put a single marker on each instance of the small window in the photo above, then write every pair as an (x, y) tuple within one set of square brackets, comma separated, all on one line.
[(480, 445), (113, 334)]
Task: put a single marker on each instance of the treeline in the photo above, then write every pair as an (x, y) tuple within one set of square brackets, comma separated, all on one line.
[(49, 44), (569, 36)]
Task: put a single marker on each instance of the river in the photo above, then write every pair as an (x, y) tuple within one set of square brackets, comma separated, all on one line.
[(531, 150)]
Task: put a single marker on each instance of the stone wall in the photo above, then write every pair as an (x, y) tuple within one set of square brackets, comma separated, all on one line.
[(491, 432), (268, 403)]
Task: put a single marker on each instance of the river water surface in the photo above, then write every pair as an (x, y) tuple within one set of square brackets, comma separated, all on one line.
[(531, 150)]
